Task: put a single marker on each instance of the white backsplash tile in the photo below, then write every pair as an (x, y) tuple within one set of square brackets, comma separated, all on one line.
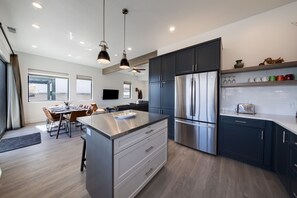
[(279, 100)]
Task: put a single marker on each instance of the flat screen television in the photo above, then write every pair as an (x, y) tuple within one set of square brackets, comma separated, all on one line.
[(110, 94)]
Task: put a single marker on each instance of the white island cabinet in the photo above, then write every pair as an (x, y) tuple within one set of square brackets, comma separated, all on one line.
[(120, 162)]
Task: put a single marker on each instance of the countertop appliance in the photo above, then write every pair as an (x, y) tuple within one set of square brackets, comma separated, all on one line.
[(196, 110), (245, 108)]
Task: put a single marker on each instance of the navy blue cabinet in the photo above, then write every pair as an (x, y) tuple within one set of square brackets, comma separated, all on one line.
[(293, 185), (281, 154), (242, 139), (154, 94), (161, 88), (200, 58), (293, 165), (155, 70), (246, 140), (169, 112)]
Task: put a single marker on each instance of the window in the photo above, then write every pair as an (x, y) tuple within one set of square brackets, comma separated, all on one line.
[(45, 86), (127, 90), (83, 87)]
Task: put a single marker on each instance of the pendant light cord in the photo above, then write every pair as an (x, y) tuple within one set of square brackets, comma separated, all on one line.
[(104, 20), (124, 32)]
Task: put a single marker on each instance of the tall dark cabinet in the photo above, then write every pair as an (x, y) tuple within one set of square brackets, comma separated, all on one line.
[(200, 58), (3, 105), (161, 88)]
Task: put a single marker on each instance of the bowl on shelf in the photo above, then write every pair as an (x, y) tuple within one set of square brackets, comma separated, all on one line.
[(289, 77)]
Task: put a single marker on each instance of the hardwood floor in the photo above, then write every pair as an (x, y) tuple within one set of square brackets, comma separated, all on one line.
[(51, 169)]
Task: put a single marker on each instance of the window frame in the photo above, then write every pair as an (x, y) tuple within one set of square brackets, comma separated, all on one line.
[(130, 90), (41, 75), (80, 77)]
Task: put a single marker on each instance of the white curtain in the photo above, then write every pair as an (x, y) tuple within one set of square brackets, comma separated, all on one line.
[(13, 103)]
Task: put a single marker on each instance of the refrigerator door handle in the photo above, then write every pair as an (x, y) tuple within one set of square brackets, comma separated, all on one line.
[(191, 105), (196, 124), (194, 97)]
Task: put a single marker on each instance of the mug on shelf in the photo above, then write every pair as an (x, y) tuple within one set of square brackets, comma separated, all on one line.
[(257, 79), (289, 77), (265, 79), (272, 78), (251, 79), (280, 78)]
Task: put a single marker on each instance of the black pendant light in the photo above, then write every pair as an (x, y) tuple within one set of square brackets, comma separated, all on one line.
[(124, 62), (103, 56)]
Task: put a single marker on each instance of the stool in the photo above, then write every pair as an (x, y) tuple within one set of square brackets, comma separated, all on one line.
[(83, 156)]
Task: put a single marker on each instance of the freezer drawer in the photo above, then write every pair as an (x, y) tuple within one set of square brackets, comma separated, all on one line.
[(197, 135)]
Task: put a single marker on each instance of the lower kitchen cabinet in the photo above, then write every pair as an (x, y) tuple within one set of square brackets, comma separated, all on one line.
[(170, 113), (293, 165), (261, 143), (245, 140), (281, 154), (293, 185)]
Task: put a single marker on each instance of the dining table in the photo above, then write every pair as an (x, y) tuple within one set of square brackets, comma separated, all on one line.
[(63, 110)]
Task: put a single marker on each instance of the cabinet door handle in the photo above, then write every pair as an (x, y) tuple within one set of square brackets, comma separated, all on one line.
[(262, 135), (239, 121), (196, 67), (149, 172), (149, 149), (149, 131), (294, 194), (284, 136), (295, 165), (295, 143), (193, 67)]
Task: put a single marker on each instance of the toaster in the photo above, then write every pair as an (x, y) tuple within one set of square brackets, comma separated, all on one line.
[(245, 108)]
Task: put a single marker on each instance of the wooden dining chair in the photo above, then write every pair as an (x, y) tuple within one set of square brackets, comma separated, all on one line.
[(71, 118), (51, 118)]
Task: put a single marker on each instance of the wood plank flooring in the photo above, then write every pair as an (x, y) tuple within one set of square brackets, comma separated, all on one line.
[(51, 169)]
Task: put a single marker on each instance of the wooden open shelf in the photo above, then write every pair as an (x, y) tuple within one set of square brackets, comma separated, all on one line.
[(254, 84), (259, 68)]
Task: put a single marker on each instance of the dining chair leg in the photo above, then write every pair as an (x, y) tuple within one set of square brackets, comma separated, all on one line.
[(83, 156), (60, 122), (69, 129)]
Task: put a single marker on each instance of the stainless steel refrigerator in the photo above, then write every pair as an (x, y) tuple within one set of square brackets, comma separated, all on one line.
[(196, 99)]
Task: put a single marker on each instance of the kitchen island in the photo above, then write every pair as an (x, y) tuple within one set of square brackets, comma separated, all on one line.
[(123, 154)]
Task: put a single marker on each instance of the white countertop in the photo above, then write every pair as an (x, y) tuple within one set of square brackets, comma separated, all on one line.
[(288, 122)]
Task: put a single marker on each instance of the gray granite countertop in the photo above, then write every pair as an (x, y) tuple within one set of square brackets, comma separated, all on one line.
[(113, 128), (288, 122)]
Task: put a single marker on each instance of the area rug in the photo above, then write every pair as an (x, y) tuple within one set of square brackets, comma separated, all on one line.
[(10, 144)]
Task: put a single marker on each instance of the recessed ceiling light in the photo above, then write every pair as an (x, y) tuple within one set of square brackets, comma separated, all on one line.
[(116, 55), (70, 35), (37, 5), (129, 48), (34, 46), (171, 29), (35, 26), (81, 42), (70, 55), (89, 49)]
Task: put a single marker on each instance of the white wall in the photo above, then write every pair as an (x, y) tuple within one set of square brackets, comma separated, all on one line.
[(33, 110), (253, 39)]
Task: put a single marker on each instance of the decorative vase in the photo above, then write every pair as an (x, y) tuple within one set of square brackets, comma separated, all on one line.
[(239, 64)]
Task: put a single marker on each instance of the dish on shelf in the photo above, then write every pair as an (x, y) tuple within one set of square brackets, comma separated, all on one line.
[(125, 115)]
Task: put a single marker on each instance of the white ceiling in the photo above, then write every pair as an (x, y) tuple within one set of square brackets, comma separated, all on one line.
[(147, 24)]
